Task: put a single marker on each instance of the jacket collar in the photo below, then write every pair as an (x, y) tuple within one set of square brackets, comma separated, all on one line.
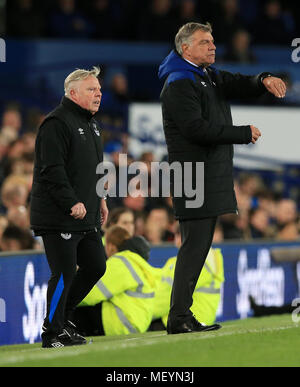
[(137, 244), (74, 107), (174, 62)]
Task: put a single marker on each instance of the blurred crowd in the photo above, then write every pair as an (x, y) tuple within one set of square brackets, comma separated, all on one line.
[(263, 213), (239, 27), (235, 22)]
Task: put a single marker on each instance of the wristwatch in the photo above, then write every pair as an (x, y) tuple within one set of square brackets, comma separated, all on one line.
[(265, 75)]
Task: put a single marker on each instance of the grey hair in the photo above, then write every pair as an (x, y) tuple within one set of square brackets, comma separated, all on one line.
[(79, 75), (185, 33)]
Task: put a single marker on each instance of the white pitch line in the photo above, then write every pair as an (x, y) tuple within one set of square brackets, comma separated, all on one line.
[(44, 354)]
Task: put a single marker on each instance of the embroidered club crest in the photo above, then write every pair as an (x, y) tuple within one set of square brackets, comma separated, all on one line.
[(66, 236), (96, 130)]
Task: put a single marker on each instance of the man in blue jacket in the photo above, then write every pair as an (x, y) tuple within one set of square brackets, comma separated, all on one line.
[(198, 129)]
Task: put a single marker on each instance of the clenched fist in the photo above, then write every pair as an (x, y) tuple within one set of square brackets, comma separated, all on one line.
[(255, 134), (78, 211)]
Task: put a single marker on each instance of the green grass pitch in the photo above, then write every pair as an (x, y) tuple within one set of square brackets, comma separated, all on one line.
[(269, 341)]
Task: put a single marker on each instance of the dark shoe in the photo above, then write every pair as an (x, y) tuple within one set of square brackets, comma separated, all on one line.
[(63, 339), (71, 330), (198, 327), (191, 325), (67, 338), (51, 341)]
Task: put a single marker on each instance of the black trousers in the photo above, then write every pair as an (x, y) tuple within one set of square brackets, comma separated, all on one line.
[(88, 320), (196, 240), (77, 261)]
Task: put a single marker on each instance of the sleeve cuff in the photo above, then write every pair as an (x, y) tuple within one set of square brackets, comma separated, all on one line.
[(262, 76)]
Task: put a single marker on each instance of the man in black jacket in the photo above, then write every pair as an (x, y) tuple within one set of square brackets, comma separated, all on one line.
[(198, 129), (65, 208)]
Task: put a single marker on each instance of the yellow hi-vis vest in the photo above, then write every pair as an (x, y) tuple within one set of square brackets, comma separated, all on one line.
[(127, 294), (207, 294)]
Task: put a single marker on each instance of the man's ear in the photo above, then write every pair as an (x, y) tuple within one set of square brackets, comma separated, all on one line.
[(185, 49)]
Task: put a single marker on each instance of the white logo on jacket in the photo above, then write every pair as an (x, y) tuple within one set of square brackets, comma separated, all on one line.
[(66, 236), (96, 130), (81, 131)]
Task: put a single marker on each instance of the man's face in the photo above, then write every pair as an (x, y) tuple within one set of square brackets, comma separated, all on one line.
[(87, 94), (201, 50)]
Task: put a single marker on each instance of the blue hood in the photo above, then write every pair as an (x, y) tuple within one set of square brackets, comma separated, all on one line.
[(179, 68)]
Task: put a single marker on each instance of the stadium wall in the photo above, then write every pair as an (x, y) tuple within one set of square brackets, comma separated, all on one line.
[(250, 269)]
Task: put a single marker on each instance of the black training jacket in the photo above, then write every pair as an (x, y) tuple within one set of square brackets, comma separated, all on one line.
[(198, 128), (67, 151)]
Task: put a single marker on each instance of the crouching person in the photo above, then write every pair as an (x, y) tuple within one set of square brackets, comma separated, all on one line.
[(123, 299)]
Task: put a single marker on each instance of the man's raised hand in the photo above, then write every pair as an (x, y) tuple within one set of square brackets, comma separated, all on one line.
[(275, 86)]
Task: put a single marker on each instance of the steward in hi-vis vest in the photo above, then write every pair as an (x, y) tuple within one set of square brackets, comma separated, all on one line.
[(207, 294), (122, 301)]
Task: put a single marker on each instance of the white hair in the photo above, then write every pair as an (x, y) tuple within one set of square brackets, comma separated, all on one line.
[(79, 75), (185, 33)]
